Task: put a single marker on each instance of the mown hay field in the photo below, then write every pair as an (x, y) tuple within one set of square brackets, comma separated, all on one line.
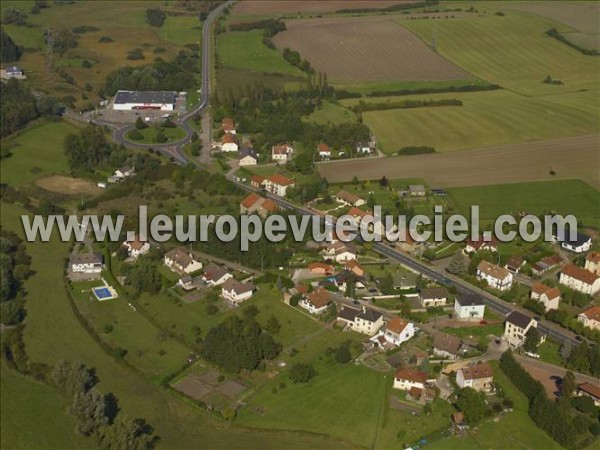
[(371, 49)]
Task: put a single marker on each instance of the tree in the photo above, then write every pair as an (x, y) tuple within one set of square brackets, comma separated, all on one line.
[(342, 354), (355, 180), (273, 326), (129, 434), (565, 351), (140, 124), (161, 137), (568, 384), (595, 360), (383, 182), (579, 360), (457, 265), (155, 17), (9, 51), (194, 137), (302, 373), (532, 340), (90, 408), (472, 404), (72, 377)]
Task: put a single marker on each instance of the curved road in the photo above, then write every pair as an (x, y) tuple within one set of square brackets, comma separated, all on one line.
[(173, 149)]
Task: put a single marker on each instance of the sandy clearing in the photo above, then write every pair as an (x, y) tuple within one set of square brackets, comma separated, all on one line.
[(68, 185), (573, 157)]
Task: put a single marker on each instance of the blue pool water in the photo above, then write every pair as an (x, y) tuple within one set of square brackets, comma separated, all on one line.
[(102, 292)]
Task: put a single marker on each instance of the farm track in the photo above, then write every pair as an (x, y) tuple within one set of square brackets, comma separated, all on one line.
[(571, 158)]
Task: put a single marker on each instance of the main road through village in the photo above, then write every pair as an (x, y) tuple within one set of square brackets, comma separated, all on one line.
[(174, 150)]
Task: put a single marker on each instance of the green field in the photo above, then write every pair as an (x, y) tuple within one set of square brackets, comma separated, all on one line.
[(36, 152), (486, 119), (331, 113), (33, 416), (564, 197), (512, 51), (173, 135), (245, 50), (514, 430)]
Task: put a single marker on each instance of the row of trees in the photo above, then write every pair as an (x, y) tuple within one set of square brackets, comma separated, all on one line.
[(97, 413), (9, 50), (14, 270), (557, 418)]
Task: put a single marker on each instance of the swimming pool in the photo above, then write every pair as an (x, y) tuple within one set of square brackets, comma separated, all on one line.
[(104, 293)]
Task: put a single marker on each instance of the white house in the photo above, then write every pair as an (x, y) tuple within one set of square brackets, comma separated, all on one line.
[(406, 379), (248, 157), (580, 279), (281, 153), (364, 320), (215, 275), (13, 72), (324, 151), (86, 263), (490, 244), (397, 331), (516, 327), (590, 317), (137, 247), (547, 295), (592, 262), (477, 376), (581, 243), (278, 184), (339, 251), (365, 148), (229, 143), (132, 100), (124, 172), (349, 199), (317, 301), (469, 308), (235, 292), (181, 260), (496, 277), (433, 297)]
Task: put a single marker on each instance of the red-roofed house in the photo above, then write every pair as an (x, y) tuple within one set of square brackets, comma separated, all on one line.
[(282, 152), (317, 301), (257, 181), (319, 268), (397, 331), (353, 266), (478, 376), (228, 126), (324, 151), (254, 203), (137, 247), (589, 390), (406, 379), (278, 184), (229, 143), (590, 318), (580, 279), (481, 244), (592, 262), (547, 295)]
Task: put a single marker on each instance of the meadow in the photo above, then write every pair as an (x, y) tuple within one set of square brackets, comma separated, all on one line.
[(149, 135), (512, 50), (36, 152), (245, 50), (485, 119), (32, 415), (331, 113), (564, 197)]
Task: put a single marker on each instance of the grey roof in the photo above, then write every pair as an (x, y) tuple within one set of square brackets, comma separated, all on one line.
[(214, 272), (237, 287), (370, 314), (145, 97), (86, 258), (348, 313), (469, 300), (246, 151), (519, 319), (416, 188), (438, 292), (13, 69), (579, 240), (447, 343)]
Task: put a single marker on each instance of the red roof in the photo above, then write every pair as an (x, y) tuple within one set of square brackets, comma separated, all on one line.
[(279, 179), (593, 257), (413, 375), (227, 124), (281, 149), (541, 288), (228, 139), (257, 179), (137, 243), (251, 200), (592, 313), (590, 389), (580, 274), (397, 325), (478, 371), (355, 212), (320, 266), (324, 148), (319, 298), (269, 205)]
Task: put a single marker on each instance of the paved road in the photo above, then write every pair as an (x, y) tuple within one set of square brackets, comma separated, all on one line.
[(438, 275)]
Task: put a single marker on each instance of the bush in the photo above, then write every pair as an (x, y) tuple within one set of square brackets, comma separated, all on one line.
[(155, 17), (342, 354), (86, 64), (135, 135), (105, 39), (136, 54), (140, 124), (302, 373), (415, 150)]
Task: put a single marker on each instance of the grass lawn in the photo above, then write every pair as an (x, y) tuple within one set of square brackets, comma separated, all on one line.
[(172, 134), (53, 333), (475, 332), (512, 51), (245, 50), (514, 430), (549, 353), (486, 119), (36, 152), (331, 113), (563, 196), (367, 88), (33, 415)]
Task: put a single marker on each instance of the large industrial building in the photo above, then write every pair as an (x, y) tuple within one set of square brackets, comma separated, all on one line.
[(128, 100)]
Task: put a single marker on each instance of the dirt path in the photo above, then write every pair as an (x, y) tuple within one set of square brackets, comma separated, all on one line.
[(574, 157)]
